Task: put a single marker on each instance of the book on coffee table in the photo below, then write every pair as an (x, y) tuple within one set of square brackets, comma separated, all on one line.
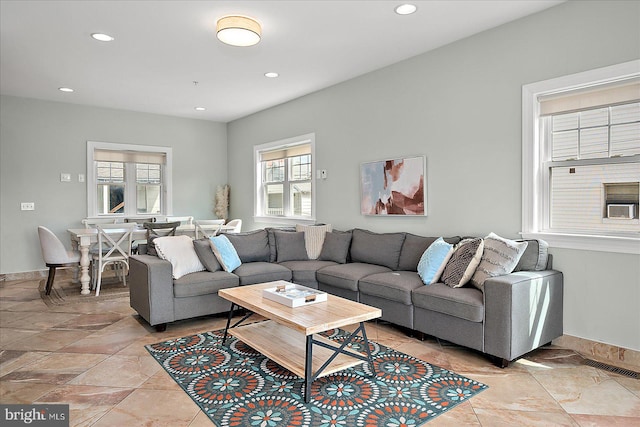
[(293, 295)]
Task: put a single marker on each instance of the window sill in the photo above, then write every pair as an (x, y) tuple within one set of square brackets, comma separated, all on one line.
[(281, 220), (627, 245)]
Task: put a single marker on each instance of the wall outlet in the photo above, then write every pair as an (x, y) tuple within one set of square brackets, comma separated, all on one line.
[(27, 206), (80, 177), (65, 177)]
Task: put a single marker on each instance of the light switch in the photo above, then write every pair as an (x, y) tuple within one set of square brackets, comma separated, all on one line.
[(65, 177), (80, 177), (27, 206)]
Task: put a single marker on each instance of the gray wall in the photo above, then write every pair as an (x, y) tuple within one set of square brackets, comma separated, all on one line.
[(41, 139), (460, 106)]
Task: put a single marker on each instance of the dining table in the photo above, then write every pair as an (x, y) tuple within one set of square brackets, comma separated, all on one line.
[(83, 238)]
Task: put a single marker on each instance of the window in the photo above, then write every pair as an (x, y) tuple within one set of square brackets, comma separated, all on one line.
[(581, 160), (128, 180), (284, 179)]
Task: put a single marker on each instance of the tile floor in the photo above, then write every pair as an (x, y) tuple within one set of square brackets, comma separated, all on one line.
[(91, 356)]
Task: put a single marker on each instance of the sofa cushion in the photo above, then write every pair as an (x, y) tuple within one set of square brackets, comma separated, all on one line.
[(433, 261), (376, 248), (203, 283), (272, 240), (313, 238), (336, 247), (304, 272), (412, 249), (500, 257), (206, 255), (259, 272), (290, 246), (225, 253), (535, 257), (251, 246), (179, 251), (466, 303), (395, 285), (463, 262), (346, 276)]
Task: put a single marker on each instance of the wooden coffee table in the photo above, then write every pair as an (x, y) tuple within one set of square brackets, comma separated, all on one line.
[(289, 336)]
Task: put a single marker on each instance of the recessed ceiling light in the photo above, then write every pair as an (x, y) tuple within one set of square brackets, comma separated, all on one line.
[(238, 31), (406, 9), (65, 89), (271, 75), (200, 109), (102, 37)]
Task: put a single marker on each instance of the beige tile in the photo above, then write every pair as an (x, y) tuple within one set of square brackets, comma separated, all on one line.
[(461, 415), (120, 371), (83, 396), (631, 384), (425, 351), (50, 340), (581, 394), (161, 381), (504, 418), (201, 420), (605, 421), (39, 320), (156, 408), (514, 392), (10, 335), (18, 392), (56, 368), (111, 339), (91, 322), (10, 360)]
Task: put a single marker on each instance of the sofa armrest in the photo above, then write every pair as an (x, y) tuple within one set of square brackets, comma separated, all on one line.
[(523, 311), (151, 288)]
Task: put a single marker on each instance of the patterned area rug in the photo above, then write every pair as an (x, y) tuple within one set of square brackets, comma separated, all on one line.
[(237, 386)]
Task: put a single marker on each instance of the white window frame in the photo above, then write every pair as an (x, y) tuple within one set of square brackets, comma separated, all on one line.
[(535, 179), (92, 182), (309, 138)]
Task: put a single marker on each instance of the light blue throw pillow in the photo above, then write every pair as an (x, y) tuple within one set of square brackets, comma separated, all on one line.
[(433, 261), (225, 252)]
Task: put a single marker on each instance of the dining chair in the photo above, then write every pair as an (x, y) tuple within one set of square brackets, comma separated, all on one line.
[(158, 229), (55, 255), (208, 227), (184, 220), (92, 222), (114, 248), (236, 223)]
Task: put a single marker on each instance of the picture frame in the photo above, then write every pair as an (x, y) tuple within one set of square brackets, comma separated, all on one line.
[(394, 187)]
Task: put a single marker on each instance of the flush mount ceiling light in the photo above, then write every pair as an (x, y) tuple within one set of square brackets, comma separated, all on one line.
[(65, 89), (238, 31), (406, 9), (199, 108), (102, 37), (271, 75)]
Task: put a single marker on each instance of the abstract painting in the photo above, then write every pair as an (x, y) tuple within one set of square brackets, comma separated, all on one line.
[(393, 187)]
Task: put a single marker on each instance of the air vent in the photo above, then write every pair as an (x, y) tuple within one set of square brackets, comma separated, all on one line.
[(610, 368)]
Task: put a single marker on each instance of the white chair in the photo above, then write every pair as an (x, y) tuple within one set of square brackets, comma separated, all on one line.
[(236, 223), (184, 220), (92, 222), (55, 255), (114, 248), (208, 227)]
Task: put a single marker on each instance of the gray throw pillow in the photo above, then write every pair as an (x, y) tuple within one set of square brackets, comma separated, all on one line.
[(206, 255), (535, 257), (335, 247), (290, 246), (251, 246), (376, 248)]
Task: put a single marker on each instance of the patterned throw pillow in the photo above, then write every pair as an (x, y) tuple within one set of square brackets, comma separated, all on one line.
[(463, 262), (500, 257), (433, 261)]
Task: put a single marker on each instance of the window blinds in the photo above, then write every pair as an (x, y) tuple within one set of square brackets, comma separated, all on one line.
[(285, 152), (590, 98), (128, 156)]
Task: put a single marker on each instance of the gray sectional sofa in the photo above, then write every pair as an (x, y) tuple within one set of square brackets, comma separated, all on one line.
[(514, 314)]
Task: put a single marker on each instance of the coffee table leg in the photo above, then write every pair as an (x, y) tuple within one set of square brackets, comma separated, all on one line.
[(226, 329), (366, 346), (308, 365)]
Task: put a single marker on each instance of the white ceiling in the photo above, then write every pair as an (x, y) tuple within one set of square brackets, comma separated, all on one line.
[(162, 47)]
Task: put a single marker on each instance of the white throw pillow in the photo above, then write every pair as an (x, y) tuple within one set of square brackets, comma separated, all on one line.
[(179, 251), (500, 257), (314, 238)]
